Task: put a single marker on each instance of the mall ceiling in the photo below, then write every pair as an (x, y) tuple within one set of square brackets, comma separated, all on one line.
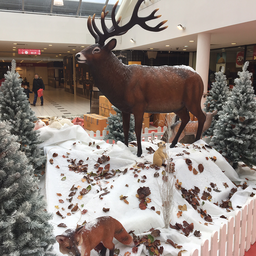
[(236, 35)]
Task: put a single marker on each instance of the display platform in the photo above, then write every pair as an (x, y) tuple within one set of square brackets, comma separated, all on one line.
[(78, 189)]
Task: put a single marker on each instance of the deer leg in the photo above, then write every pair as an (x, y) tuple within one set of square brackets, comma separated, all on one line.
[(184, 116), (126, 127), (138, 126), (197, 111), (103, 251)]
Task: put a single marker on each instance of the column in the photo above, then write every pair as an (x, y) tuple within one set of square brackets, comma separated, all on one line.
[(74, 74), (203, 59)]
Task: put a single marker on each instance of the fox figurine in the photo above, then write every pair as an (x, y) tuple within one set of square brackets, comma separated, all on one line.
[(81, 241)]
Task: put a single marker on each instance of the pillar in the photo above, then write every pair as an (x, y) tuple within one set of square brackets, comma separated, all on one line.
[(74, 73), (203, 59)]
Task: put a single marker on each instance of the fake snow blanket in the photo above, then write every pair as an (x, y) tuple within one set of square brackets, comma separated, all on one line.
[(88, 178)]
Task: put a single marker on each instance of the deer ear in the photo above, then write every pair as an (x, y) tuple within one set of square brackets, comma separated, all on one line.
[(111, 44), (60, 239)]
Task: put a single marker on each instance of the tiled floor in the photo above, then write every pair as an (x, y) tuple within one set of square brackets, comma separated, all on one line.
[(59, 103)]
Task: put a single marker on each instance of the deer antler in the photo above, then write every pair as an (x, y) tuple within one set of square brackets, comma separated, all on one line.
[(116, 30)]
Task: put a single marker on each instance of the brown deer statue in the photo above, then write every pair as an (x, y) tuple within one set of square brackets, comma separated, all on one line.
[(190, 129), (136, 89)]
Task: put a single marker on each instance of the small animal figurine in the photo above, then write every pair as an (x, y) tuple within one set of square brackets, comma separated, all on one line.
[(190, 128), (160, 155), (87, 237), (39, 124)]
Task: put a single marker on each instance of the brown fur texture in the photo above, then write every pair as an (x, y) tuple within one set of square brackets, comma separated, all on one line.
[(88, 237)]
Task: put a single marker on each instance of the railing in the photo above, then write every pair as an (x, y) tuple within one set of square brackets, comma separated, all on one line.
[(233, 238), (146, 135)]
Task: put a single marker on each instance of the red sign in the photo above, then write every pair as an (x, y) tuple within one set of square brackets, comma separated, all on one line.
[(239, 59), (29, 51)]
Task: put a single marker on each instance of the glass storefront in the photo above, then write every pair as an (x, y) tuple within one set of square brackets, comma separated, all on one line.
[(232, 60)]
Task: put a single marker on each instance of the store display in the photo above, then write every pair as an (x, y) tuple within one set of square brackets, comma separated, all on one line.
[(136, 89)]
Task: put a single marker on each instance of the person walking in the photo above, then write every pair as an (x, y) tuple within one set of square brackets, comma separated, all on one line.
[(37, 85)]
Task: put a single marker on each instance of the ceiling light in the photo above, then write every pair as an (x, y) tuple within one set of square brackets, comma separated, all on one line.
[(184, 49), (45, 48), (42, 50), (15, 43), (59, 54), (58, 2), (185, 46), (3, 60), (50, 44), (233, 43), (191, 41), (167, 45), (68, 51), (14, 47), (132, 41), (73, 49), (13, 54), (180, 27), (82, 46), (151, 48)]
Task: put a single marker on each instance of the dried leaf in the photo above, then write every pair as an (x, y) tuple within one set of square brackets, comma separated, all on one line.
[(105, 209), (158, 212), (195, 172), (143, 192), (57, 167), (155, 233), (126, 201), (59, 194), (61, 201), (54, 155), (64, 178), (182, 207), (188, 161), (200, 168), (80, 197), (51, 161), (75, 208), (197, 233), (179, 214), (62, 225), (143, 205)]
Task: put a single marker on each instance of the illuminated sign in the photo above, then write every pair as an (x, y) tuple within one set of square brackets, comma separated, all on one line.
[(29, 51)]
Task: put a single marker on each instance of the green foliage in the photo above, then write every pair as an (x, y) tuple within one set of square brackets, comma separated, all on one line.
[(216, 99), (15, 108), (115, 127), (235, 131), (24, 227)]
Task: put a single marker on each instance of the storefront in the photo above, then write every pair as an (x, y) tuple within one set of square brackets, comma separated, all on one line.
[(232, 60)]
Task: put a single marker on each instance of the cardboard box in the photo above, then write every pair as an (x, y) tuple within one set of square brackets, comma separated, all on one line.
[(146, 122), (104, 102), (106, 112), (94, 122)]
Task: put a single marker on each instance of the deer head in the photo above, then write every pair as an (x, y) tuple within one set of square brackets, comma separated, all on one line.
[(99, 48)]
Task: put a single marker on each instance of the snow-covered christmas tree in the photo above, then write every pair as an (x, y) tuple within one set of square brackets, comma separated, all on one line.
[(24, 226), (216, 99), (235, 131), (15, 108), (115, 127)]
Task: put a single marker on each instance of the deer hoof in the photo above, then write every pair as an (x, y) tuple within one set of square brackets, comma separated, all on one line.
[(172, 145)]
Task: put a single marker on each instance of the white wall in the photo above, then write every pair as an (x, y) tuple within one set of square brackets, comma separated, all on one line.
[(196, 15)]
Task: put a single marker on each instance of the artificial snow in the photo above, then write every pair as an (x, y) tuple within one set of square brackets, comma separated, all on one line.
[(72, 142)]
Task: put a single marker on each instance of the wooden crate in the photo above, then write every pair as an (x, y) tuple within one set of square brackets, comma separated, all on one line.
[(104, 102), (94, 122), (106, 112)]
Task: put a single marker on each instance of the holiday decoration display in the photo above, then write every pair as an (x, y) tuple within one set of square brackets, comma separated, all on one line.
[(24, 226), (234, 133), (137, 89), (115, 127), (216, 98), (15, 108), (39, 124), (101, 230), (190, 129), (160, 155)]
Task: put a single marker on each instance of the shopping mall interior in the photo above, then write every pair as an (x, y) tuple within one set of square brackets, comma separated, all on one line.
[(43, 37)]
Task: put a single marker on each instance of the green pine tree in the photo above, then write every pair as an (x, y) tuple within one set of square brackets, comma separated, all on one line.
[(115, 127), (15, 108), (235, 131), (216, 99), (24, 226)]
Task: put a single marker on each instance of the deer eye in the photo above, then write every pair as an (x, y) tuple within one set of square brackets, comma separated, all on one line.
[(96, 50), (69, 247)]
